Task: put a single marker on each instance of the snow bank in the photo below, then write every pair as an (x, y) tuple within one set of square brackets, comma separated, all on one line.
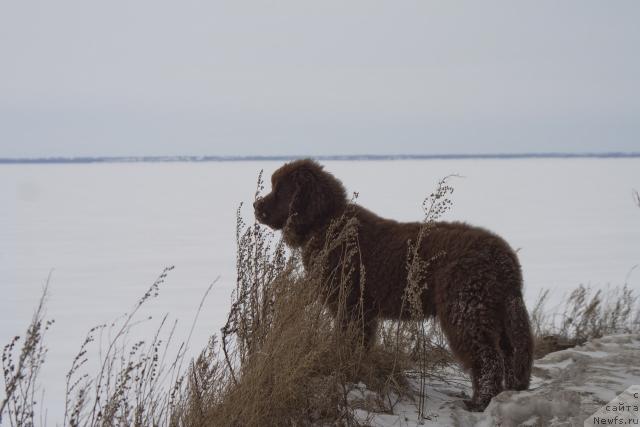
[(568, 386)]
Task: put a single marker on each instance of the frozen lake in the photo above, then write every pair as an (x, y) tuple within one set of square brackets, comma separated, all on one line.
[(107, 231)]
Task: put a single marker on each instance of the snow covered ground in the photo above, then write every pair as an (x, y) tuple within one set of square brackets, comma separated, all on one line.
[(568, 387), (107, 230)]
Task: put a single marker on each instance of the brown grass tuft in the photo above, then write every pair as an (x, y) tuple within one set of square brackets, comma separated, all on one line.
[(283, 358), (585, 314)]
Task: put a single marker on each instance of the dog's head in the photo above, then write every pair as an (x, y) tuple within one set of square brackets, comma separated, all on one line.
[(302, 196)]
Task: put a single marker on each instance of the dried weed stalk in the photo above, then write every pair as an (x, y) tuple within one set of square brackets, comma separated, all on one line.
[(430, 347), (20, 369)]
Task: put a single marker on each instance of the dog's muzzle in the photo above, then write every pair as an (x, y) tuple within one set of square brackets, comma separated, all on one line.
[(258, 210)]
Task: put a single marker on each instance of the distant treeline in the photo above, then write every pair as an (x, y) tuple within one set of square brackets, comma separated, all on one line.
[(153, 159)]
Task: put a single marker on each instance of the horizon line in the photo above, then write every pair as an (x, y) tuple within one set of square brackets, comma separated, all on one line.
[(329, 157)]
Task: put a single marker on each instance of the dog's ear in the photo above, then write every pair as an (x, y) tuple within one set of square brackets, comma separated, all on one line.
[(317, 195), (299, 207), (310, 201)]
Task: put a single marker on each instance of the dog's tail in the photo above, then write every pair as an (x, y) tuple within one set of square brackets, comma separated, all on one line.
[(517, 329)]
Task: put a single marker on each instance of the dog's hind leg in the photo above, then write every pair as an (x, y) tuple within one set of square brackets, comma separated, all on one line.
[(509, 361), (487, 370), (517, 344), (472, 326)]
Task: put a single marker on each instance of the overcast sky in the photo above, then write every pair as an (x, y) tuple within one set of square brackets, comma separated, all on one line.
[(153, 77)]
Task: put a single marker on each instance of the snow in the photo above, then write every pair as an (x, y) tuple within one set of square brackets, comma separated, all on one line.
[(107, 230), (552, 367), (568, 386)]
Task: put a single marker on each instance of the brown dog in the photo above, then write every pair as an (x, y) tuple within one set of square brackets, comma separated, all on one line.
[(473, 287)]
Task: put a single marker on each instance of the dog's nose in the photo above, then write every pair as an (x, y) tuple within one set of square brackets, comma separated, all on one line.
[(256, 204)]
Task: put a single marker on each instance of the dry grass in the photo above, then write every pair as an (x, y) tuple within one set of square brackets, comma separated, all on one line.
[(137, 383), (20, 373), (286, 359), (585, 314)]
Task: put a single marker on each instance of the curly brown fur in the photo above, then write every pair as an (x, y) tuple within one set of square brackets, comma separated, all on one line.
[(473, 287)]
